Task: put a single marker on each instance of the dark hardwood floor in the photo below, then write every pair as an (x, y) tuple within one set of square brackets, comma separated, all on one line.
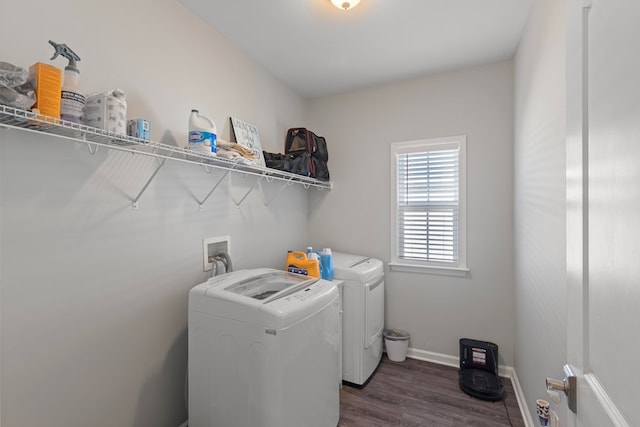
[(418, 393)]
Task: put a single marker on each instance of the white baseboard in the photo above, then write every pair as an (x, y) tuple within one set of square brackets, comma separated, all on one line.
[(522, 402), (504, 371), (428, 356)]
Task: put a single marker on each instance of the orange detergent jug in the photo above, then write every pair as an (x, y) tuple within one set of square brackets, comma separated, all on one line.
[(297, 262)]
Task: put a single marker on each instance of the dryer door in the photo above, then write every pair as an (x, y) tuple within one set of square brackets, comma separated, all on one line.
[(374, 311)]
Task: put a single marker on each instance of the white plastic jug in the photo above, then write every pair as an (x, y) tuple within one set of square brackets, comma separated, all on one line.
[(202, 134)]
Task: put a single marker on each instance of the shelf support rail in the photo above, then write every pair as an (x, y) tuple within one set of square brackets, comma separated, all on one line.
[(248, 192), (284, 184), (161, 163), (93, 148), (201, 202)]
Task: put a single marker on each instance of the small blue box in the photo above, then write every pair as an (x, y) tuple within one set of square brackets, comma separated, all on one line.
[(139, 128)]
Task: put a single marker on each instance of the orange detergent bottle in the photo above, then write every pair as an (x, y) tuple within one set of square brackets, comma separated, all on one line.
[(297, 262)]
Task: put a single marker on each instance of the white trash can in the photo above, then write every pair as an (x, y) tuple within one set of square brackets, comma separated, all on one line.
[(397, 343)]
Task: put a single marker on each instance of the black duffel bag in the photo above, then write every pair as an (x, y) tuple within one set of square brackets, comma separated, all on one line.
[(299, 163), (301, 141)]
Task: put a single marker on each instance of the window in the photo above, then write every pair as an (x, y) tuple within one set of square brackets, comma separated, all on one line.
[(428, 201)]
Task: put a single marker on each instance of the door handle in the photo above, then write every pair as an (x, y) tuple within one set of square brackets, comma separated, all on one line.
[(567, 385)]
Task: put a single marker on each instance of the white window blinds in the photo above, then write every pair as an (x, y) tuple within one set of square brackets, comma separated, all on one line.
[(427, 205)]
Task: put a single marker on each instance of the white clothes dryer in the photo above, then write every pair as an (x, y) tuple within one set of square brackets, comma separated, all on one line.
[(362, 315), (264, 351)]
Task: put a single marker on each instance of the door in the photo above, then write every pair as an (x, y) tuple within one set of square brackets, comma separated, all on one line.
[(603, 209)]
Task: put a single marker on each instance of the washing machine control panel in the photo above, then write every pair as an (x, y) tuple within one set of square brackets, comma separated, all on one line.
[(310, 292), (303, 300)]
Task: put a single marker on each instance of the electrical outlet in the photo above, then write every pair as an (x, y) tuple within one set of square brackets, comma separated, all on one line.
[(211, 246), (554, 420)]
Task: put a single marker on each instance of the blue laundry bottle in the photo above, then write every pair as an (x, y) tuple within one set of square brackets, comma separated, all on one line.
[(326, 261)]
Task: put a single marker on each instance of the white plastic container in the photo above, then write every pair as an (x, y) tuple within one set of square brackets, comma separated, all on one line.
[(107, 111), (397, 343), (202, 134)]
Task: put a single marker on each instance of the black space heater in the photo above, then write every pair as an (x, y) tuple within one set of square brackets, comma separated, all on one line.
[(478, 375)]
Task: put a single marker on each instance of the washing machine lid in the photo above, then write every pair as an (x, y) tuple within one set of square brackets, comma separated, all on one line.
[(255, 286), (269, 285), (273, 298), (356, 267)]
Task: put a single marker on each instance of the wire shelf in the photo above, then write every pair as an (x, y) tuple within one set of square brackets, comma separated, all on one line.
[(26, 120)]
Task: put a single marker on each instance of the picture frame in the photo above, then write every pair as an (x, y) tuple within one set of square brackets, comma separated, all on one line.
[(247, 135)]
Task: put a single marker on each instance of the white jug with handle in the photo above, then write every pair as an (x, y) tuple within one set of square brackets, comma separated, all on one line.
[(202, 134)]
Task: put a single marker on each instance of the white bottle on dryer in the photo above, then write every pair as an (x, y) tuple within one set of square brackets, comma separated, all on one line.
[(202, 134)]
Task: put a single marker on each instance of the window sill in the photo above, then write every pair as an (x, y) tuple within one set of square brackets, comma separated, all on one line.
[(429, 269)]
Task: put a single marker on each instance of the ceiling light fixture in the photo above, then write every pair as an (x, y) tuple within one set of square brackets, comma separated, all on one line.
[(345, 4)]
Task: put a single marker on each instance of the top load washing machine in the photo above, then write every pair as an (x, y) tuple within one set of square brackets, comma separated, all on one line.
[(264, 351), (362, 314)]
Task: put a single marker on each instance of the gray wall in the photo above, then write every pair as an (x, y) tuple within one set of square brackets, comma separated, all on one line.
[(540, 130), (354, 217), (94, 293)]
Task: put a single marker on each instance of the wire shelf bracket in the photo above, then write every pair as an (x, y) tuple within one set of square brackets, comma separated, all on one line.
[(272, 198), (202, 202), (238, 203), (161, 163)]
